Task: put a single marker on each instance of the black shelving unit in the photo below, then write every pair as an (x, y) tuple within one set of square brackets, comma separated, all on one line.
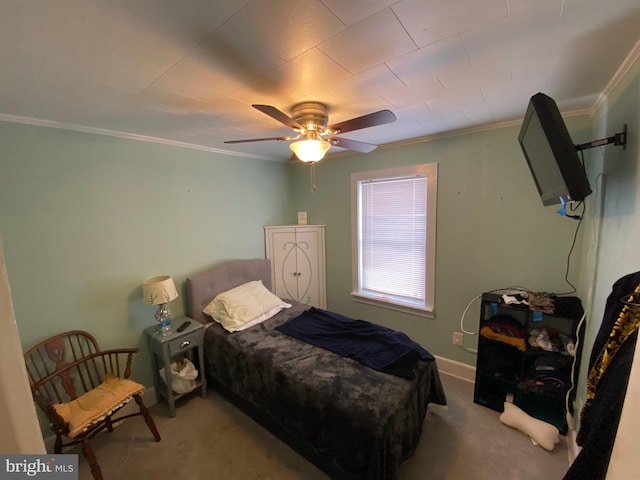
[(512, 364)]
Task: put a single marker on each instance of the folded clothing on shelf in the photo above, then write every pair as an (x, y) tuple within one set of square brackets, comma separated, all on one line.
[(548, 373), (505, 329)]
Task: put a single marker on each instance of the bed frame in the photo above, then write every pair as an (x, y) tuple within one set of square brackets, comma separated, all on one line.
[(352, 422)]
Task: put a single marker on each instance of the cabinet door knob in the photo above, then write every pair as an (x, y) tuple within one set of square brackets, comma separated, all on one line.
[(186, 343)]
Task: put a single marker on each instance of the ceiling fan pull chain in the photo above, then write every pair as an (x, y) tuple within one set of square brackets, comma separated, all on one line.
[(313, 178)]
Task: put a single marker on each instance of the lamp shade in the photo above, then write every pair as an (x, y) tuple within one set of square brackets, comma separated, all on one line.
[(159, 290), (312, 150)]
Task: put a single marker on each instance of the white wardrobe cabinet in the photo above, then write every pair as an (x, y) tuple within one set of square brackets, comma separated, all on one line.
[(297, 255)]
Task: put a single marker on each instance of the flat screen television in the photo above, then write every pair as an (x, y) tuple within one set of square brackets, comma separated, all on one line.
[(551, 154)]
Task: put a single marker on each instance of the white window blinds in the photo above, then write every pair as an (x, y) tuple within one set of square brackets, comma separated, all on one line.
[(393, 233)]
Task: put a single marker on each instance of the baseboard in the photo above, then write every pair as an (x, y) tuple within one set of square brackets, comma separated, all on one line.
[(572, 447), (149, 398), (456, 369)]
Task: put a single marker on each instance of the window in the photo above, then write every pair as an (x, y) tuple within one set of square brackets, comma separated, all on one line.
[(393, 236)]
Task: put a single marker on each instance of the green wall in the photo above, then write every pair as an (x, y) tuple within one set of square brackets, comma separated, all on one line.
[(84, 219), (613, 216), (492, 230)]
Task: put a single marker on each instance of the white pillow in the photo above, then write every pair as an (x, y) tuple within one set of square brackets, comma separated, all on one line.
[(542, 433), (244, 306)]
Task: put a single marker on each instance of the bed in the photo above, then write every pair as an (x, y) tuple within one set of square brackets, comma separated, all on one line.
[(351, 421)]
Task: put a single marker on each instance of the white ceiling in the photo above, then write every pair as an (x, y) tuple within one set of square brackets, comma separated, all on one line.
[(188, 71)]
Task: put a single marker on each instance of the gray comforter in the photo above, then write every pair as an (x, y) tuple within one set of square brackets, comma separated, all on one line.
[(351, 421)]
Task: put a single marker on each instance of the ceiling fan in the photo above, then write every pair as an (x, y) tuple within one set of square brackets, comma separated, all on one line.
[(313, 137)]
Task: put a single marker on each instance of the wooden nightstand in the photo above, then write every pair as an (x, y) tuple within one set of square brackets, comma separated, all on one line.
[(164, 349)]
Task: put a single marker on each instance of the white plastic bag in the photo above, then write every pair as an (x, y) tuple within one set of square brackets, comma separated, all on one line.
[(183, 376)]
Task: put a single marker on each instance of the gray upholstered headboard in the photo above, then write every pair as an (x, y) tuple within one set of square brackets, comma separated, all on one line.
[(203, 286)]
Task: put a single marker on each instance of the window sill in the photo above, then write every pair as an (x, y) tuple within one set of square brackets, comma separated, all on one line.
[(375, 301)]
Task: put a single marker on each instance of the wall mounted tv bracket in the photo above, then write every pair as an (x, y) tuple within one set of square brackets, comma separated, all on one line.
[(617, 139)]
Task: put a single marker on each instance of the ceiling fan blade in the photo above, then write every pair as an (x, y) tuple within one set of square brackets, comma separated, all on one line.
[(279, 139), (370, 120), (276, 114), (354, 145)]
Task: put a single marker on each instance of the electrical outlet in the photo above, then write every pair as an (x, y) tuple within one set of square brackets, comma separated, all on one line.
[(457, 338)]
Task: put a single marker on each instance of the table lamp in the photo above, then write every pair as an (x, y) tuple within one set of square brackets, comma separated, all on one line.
[(159, 291)]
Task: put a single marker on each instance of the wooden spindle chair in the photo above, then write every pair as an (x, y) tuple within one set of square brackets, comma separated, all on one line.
[(80, 388)]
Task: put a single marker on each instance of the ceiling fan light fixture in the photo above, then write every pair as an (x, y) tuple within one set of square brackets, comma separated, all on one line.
[(311, 150), (309, 120)]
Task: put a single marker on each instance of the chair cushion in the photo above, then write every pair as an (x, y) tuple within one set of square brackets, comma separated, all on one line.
[(95, 405)]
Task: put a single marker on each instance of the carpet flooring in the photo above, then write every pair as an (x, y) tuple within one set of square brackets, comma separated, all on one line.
[(211, 439)]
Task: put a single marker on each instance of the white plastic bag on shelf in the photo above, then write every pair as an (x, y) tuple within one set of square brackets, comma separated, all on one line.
[(183, 376)]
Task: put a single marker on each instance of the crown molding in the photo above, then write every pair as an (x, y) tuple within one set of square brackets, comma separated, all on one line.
[(624, 68), (129, 136), (476, 129)]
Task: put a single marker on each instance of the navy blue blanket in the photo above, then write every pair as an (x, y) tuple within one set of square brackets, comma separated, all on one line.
[(375, 346)]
